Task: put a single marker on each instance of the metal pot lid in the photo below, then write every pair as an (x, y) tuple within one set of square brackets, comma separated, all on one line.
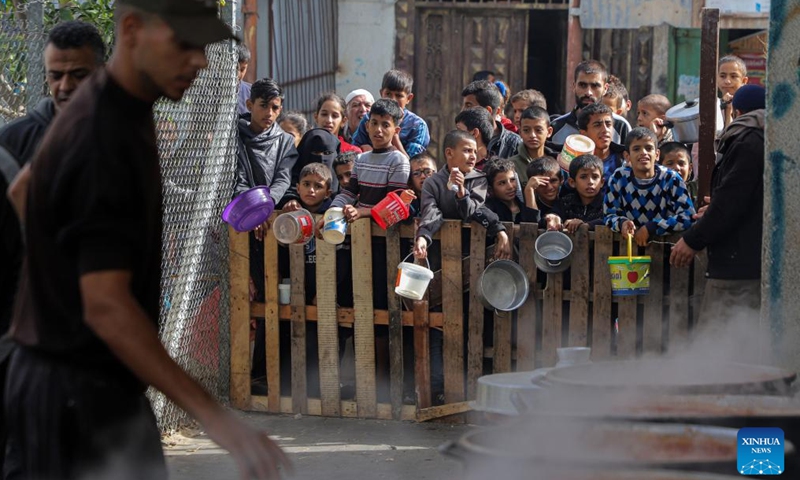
[(685, 112), (672, 376)]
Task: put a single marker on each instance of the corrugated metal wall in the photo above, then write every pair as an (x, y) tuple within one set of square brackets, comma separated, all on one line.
[(304, 42)]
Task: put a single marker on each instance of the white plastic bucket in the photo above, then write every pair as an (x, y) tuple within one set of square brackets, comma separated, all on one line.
[(334, 228), (412, 280)]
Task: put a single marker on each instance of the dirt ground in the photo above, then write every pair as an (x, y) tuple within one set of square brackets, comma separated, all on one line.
[(328, 449)]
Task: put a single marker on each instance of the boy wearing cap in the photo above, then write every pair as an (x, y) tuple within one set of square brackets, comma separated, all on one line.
[(414, 136), (358, 102), (86, 320), (731, 226)]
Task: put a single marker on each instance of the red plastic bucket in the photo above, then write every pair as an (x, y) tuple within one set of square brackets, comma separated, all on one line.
[(294, 227), (390, 210)]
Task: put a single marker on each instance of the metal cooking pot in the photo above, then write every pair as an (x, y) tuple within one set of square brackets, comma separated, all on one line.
[(525, 447), (553, 252), (503, 286), (684, 120)]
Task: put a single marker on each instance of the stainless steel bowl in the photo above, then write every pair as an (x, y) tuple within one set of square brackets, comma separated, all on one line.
[(503, 286)]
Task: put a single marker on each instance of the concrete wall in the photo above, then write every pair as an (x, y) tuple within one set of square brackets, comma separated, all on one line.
[(366, 44)]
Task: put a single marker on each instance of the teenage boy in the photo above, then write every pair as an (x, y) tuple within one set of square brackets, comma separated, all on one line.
[(585, 203), (266, 154), (544, 182), (731, 75), (503, 143), (504, 199), (358, 102), (524, 100), (440, 202), (534, 130), (590, 84), (477, 122), (651, 112), (676, 156), (644, 198), (413, 136), (596, 122)]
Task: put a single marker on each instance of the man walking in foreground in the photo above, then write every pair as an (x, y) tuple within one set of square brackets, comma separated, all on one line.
[(87, 312)]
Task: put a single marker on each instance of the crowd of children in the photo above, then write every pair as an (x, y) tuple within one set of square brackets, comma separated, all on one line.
[(637, 181)]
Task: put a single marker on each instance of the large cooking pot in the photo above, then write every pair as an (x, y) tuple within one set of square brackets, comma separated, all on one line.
[(736, 411), (503, 286), (684, 119), (673, 376), (553, 252), (523, 447)]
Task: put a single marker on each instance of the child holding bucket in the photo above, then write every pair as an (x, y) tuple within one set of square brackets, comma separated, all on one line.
[(585, 204), (644, 198)]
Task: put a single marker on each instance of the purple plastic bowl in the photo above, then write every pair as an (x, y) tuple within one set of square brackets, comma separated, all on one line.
[(249, 210)]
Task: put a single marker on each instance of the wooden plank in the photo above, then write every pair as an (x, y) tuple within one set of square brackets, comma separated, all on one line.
[(328, 330), (626, 315), (579, 303), (477, 254), (653, 302), (395, 323), (709, 51), (678, 307), (298, 329), (527, 315), (424, 415), (453, 309), (502, 329), (602, 323), (348, 408), (240, 318), (422, 361), (346, 316), (700, 264), (272, 322), (551, 323), (364, 329)]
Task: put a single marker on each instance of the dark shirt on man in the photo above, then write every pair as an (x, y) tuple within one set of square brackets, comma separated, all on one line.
[(94, 204)]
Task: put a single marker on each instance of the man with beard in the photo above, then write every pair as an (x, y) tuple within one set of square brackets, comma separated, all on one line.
[(590, 84), (86, 318)]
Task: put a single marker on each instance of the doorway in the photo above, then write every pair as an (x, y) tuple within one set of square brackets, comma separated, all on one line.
[(547, 56)]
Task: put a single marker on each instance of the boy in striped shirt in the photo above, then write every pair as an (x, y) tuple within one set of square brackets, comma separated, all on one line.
[(379, 171), (644, 198)]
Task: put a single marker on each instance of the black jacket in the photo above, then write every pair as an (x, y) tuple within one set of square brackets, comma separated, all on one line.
[(264, 159), (731, 227), (571, 206), (22, 136)]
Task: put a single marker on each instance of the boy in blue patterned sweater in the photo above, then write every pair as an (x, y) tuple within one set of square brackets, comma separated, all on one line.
[(644, 198)]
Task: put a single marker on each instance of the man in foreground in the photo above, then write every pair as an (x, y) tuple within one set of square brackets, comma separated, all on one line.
[(87, 312)]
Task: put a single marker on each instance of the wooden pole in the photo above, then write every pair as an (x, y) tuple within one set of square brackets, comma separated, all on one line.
[(574, 52), (249, 37), (709, 47)]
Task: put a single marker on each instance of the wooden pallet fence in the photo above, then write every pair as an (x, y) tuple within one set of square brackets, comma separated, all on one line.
[(573, 308)]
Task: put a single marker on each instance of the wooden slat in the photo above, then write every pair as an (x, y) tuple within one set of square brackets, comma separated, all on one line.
[(453, 309), (678, 307), (422, 361), (653, 302), (602, 324), (271, 280), (395, 323), (364, 330), (443, 411), (527, 314), (502, 329), (552, 316), (240, 318), (348, 408), (579, 304), (626, 338), (328, 330), (700, 263), (477, 254), (346, 316), (298, 329)]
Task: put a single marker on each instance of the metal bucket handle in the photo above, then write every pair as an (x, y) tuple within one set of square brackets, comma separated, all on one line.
[(426, 260), (553, 264)]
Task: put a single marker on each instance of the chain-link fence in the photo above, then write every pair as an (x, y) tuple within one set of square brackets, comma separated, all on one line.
[(197, 143)]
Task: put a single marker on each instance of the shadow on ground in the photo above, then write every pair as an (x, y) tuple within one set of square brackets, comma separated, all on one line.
[(329, 449)]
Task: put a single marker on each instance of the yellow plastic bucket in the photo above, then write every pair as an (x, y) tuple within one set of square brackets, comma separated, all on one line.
[(629, 275)]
